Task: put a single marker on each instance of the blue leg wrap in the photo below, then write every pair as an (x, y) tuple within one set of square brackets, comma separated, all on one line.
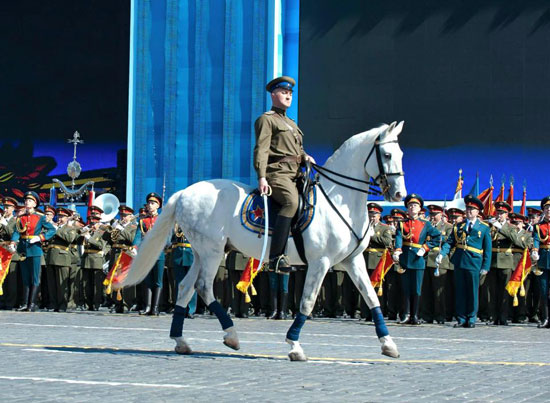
[(379, 324), (216, 308), (294, 331), (176, 329)]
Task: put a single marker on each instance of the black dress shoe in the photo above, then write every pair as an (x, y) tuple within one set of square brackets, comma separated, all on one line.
[(406, 320), (190, 316), (459, 325), (440, 322), (543, 324)]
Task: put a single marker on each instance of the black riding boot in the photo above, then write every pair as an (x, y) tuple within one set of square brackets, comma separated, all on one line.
[(155, 307), (25, 306), (414, 310), (277, 260), (544, 323), (273, 306), (33, 294), (406, 311), (148, 297), (284, 305)]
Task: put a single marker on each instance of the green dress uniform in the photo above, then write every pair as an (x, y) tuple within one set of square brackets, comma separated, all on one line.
[(505, 240), (121, 240), (180, 260), (59, 264), (95, 249), (432, 302)]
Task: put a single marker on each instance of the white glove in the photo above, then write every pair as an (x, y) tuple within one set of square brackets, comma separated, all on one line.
[(34, 239), (421, 252), (483, 272), (3, 221), (119, 227), (439, 259), (497, 224), (87, 235), (84, 230), (11, 248), (396, 255), (133, 252), (535, 256)]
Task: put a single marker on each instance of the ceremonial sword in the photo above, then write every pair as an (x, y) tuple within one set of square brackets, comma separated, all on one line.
[(266, 227)]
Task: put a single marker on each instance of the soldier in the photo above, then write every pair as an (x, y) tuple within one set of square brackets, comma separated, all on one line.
[(433, 291), (153, 281), (525, 241), (411, 244), (277, 157), (7, 227), (472, 240), (121, 239), (28, 236), (236, 263), (380, 241), (541, 255), (533, 294), (95, 248), (95, 211), (504, 237), (455, 216), (392, 285), (75, 250)]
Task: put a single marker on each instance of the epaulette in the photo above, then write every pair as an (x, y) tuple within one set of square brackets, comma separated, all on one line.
[(269, 113), (484, 223)]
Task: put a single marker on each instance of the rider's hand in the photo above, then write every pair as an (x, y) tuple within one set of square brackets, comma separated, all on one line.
[(263, 187), (310, 159)]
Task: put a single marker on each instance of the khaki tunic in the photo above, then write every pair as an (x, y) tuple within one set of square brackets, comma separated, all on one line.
[(380, 241)]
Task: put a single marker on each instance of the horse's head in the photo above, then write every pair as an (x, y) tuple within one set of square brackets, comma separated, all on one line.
[(384, 163)]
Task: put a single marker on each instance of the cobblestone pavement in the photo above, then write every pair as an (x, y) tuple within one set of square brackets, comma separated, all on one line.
[(89, 356)]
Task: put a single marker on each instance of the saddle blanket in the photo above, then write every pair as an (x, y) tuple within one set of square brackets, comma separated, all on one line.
[(252, 212)]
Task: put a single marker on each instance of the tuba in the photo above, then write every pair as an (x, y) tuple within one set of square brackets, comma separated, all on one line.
[(109, 204)]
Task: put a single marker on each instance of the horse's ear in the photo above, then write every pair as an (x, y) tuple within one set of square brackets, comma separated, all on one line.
[(398, 128), (391, 127)]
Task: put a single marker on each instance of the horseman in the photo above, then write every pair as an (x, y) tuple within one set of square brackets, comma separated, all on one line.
[(277, 157)]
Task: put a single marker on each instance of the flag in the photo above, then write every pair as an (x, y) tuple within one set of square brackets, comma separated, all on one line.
[(458, 190), (500, 197), (486, 197), (510, 199), (53, 196), (5, 260), (523, 201), (379, 273), (117, 274), (515, 283), (474, 191), (248, 276)]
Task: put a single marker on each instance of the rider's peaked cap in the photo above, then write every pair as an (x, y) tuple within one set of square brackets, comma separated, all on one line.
[(285, 82), (414, 198), (155, 197)]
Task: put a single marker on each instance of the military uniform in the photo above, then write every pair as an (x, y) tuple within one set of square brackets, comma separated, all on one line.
[(412, 236), (472, 256), (432, 302), (541, 246), (181, 259), (7, 228), (525, 241), (236, 263), (95, 248), (392, 286)]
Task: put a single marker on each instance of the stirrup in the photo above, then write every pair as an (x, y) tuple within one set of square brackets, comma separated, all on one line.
[(280, 265)]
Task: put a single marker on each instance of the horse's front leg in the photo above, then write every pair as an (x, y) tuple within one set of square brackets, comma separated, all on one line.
[(358, 273), (315, 274)]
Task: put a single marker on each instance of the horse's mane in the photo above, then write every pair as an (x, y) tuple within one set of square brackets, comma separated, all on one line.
[(355, 141)]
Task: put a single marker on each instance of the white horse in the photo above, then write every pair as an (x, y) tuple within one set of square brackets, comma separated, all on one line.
[(208, 213)]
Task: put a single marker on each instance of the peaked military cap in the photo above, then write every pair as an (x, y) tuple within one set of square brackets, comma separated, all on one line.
[(95, 210), (155, 197), (434, 209), (515, 217), (33, 196), (454, 212), (544, 202), (387, 219), (62, 211), (9, 201), (398, 214), (285, 82), (473, 202), (374, 208), (49, 209), (125, 210), (503, 206), (533, 211), (414, 198)]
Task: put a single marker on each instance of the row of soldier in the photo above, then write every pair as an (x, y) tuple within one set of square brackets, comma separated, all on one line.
[(76, 256)]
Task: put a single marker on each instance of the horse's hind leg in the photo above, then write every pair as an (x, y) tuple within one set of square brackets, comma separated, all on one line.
[(315, 274), (358, 274), (186, 290), (204, 286)]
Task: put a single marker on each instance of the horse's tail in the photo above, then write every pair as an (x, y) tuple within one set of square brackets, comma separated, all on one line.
[(153, 243)]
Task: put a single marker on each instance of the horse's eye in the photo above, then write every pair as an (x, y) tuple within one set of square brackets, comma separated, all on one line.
[(387, 156)]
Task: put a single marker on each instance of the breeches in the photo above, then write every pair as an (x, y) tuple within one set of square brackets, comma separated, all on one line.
[(286, 194)]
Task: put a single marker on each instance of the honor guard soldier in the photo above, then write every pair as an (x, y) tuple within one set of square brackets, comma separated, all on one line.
[(153, 281), (533, 295), (7, 226), (95, 249), (59, 261), (525, 241), (28, 236), (534, 215), (380, 241), (121, 239), (95, 211), (541, 255), (433, 292), (472, 257), (394, 295), (414, 238), (505, 239), (277, 157)]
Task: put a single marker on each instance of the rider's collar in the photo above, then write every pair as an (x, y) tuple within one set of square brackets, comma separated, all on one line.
[(279, 110)]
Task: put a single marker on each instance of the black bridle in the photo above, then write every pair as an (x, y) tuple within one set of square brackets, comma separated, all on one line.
[(380, 181)]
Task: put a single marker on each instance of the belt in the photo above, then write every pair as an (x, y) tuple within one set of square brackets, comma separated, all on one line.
[(27, 236), (436, 248), (509, 250), (544, 247), (74, 246), (374, 250), (414, 245), (288, 158), (470, 248), (181, 244), (91, 251), (58, 247), (121, 246)]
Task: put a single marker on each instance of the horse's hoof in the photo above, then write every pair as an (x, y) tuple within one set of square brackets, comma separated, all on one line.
[(183, 349), (297, 356), (388, 347), (232, 343)]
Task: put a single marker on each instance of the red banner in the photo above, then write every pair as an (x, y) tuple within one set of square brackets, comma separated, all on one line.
[(523, 268), (245, 282), (5, 260), (117, 274), (382, 268)]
